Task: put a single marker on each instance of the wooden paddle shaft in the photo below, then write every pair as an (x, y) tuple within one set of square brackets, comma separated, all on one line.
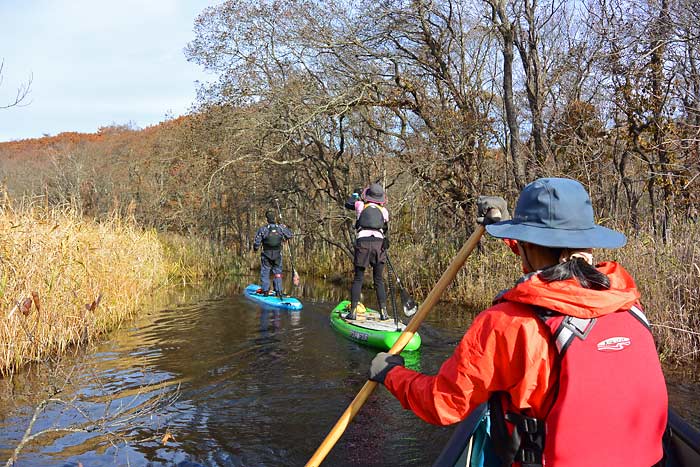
[(405, 337), (437, 291)]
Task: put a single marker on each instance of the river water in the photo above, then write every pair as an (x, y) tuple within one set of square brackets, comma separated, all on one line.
[(207, 377)]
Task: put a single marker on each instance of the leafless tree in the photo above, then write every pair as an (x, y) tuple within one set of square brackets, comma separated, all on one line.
[(22, 93)]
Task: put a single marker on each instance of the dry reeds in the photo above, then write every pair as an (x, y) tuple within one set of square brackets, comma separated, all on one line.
[(667, 274), (191, 260), (65, 280)]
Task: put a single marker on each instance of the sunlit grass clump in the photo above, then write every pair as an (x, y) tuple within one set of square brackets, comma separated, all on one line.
[(194, 259), (65, 280), (668, 277)]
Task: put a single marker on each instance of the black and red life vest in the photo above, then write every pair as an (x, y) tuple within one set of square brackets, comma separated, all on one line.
[(608, 409)]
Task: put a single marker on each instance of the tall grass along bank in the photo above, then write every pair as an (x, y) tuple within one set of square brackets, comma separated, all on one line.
[(65, 280), (667, 274)]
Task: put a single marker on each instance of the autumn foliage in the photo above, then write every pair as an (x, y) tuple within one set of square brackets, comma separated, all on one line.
[(440, 101)]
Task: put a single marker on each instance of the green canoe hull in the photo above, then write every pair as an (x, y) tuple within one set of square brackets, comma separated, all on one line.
[(371, 332)]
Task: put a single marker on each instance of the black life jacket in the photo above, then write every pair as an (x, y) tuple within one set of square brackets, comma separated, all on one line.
[(273, 239), (371, 218)]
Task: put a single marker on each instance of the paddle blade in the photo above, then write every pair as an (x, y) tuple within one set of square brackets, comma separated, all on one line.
[(409, 305), (295, 277)]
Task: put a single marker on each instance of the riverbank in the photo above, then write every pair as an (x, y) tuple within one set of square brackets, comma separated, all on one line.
[(65, 279), (667, 274)]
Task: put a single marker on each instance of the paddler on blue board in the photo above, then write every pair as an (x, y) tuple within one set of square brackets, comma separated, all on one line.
[(271, 237), (371, 243)]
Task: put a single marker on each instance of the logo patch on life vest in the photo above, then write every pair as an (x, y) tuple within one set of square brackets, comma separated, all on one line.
[(613, 344)]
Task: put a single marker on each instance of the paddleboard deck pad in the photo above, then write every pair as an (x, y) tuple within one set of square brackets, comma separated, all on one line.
[(287, 303), (368, 329)]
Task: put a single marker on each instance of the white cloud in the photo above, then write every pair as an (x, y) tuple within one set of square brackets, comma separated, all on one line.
[(91, 57)]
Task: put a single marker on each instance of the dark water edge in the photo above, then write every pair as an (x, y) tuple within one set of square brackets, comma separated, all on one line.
[(204, 376)]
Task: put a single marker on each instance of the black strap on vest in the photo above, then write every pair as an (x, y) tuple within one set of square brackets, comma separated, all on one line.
[(524, 445), (639, 314), (570, 328)]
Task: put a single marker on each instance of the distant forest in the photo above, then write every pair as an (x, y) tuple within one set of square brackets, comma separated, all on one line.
[(441, 101)]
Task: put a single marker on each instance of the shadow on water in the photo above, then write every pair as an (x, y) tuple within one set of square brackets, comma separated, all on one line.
[(206, 376)]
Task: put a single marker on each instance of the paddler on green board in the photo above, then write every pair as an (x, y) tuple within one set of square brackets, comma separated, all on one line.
[(371, 243), (271, 237)]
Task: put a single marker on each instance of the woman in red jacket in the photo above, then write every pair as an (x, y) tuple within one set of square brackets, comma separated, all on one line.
[(564, 358)]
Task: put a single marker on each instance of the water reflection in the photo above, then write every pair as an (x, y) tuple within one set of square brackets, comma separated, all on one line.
[(207, 377), (269, 320)]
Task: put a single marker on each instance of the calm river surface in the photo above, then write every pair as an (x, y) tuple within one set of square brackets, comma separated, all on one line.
[(208, 377)]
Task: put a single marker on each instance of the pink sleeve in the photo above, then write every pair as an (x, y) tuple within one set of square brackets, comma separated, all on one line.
[(359, 207)]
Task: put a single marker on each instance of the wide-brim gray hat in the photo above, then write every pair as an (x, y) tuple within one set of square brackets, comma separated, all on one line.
[(375, 194), (557, 213)]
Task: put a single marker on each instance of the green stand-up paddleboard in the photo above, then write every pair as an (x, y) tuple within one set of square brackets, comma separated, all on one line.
[(371, 331)]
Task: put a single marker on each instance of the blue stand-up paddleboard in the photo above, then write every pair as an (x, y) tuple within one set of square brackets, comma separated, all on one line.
[(287, 303)]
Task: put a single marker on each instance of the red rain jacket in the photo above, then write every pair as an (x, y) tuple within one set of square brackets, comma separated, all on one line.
[(507, 349)]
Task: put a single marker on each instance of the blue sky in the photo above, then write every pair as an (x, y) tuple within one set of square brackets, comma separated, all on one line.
[(95, 63)]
